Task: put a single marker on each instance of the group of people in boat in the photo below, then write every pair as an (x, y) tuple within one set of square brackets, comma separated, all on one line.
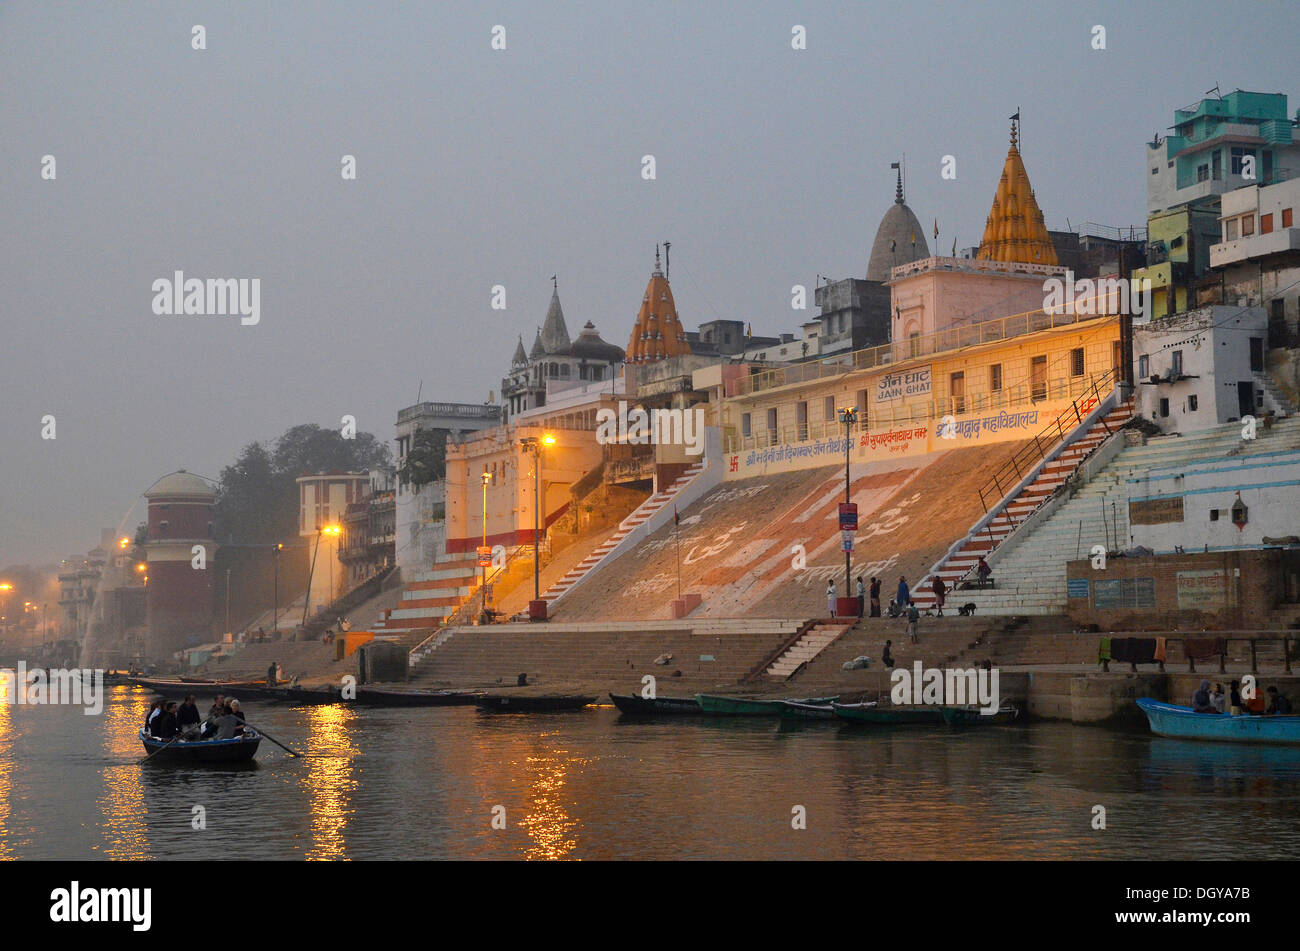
[(168, 720), (1212, 699)]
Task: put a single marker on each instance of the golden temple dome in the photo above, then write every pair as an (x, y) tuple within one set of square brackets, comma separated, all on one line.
[(658, 333), (1015, 231)]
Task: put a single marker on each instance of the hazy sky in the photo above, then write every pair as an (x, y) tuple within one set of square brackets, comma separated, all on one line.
[(478, 167)]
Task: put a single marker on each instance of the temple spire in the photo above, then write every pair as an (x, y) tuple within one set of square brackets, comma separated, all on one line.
[(658, 332), (1015, 231)]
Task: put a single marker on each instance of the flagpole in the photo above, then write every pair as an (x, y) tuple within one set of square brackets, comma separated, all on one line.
[(678, 539)]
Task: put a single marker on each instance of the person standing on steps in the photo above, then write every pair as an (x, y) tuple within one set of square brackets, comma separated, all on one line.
[(913, 615), (830, 598), (904, 593), (862, 596), (940, 589), (887, 656), (875, 597)]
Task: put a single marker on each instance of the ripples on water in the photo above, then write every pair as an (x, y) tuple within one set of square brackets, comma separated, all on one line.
[(424, 784)]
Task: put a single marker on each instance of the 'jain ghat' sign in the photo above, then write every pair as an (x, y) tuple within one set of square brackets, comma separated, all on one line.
[(897, 386)]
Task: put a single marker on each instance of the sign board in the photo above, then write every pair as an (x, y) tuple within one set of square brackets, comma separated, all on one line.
[(848, 516), (1118, 593), (1077, 588), (484, 556), (1155, 511), (904, 385), (846, 540), (1203, 590)]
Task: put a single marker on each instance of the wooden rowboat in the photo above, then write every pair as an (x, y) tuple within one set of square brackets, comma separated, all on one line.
[(505, 703), (1183, 723), (975, 716), (240, 749), (887, 716), (751, 706), (802, 710), (659, 706), (371, 697)]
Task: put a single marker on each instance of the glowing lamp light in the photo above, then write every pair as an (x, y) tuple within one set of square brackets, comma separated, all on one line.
[(123, 543), (331, 530), (140, 567), (548, 440)]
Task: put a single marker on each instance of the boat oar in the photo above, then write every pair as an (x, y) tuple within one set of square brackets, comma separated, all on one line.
[(272, 739), (161, 748)]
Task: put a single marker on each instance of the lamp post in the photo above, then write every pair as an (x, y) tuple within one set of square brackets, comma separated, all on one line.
[(848, 416), (275, 612), (5, 589), (320, 530), (487, 477), (534, 444)]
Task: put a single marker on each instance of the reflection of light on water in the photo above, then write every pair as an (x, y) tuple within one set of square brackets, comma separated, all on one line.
[(6, 766), (329, 779), (122, 804), (547, 822)]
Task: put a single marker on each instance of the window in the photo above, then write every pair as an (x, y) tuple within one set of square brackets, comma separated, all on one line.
[(1076, 361), (995, 378), (1217, 159), (1265, 224), (1257, 354), (771, 424), (1239, 161), (1164, 407), (1144, 366), (957, 390), (829, 409), (1176, 362), (1203, 173), (1247, 225), (1230, 230), (1038, 378), (1286, 217), (745, 423), (1191, 403), (801, 419), (1214, 515), (1156, 170), (861, 404)]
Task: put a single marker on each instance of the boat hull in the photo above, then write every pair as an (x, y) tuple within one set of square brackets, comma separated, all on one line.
[(972, 716), (1182, 723), (888, 716), (415, 698), (794, 710), (719, 706), (502, 703), (659, 706), (238, 750)]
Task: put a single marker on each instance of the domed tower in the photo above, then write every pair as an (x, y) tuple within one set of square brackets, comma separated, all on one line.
[(900, 239), (658, 333), (179, 602)]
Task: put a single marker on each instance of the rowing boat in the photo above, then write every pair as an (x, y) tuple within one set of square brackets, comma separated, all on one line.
[(975, 716), (802, 710), (556, 703), (372, 697), (887, 716), (751, 706), (1183, 723), (657, 706), (240, 749)]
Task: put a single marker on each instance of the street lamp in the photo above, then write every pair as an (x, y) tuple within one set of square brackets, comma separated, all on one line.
[(275, 612), (6, 588), (484, 552), (534, 444), (332, 530), (848, 416)]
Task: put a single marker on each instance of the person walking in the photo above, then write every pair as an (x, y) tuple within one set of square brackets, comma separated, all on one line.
[(913, 615), (887, 656), (875, 597), (862, 596), (830, 598), (940, 589), (904, 593)]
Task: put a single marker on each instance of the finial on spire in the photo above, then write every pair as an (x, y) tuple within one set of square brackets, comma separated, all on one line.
[(555, 284), (898, 191), (668, 265), (657, 268), (1015, 127)]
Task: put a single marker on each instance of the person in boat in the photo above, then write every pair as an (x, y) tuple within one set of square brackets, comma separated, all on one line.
[(155, 708), (1201, 699), (218, 707), (234, 710), (228, 726), (1234, 698), (187, 717), (1218, 699), (1278, 704), (164, 725)]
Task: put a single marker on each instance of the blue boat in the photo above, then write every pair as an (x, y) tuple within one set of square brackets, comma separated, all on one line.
[(1168, 719)]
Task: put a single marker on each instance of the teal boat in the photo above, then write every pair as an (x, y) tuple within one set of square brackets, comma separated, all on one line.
[(975, 716), (887, 716), (1183, 723), (751, 706), (802, 710)]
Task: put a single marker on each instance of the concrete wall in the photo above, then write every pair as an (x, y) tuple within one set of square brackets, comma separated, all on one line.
[(1214, 591)]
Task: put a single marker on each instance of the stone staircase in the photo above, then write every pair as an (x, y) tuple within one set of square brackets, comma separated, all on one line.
[(639, 516), (1029, 578), (813, 642), (430, 596), (1051, 477), (1274, 399)]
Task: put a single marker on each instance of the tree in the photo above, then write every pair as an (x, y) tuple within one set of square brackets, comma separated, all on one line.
[(426, 460)]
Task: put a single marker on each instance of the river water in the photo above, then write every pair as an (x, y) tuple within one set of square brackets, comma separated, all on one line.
[(426, 784)]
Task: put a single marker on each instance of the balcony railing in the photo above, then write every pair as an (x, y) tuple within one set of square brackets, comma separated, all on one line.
[(918, 413), (953, 338)]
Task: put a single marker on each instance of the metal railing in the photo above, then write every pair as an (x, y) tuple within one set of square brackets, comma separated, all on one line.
[(1028, 457), (1023, 394), (952, 338)]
